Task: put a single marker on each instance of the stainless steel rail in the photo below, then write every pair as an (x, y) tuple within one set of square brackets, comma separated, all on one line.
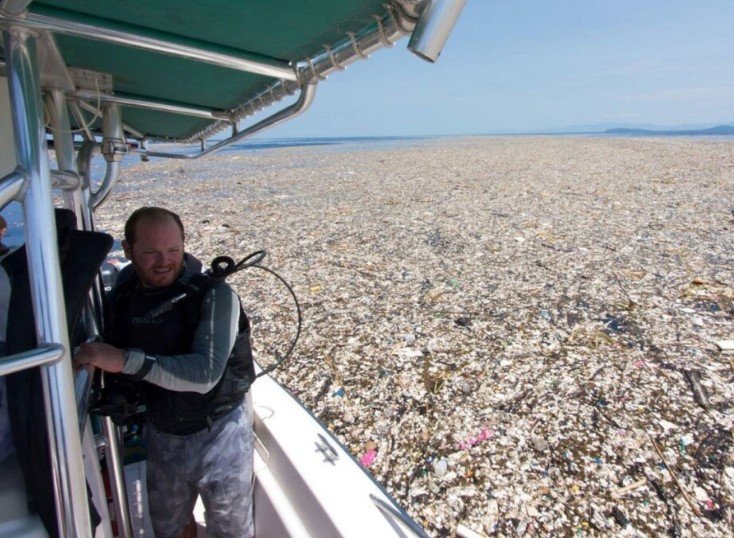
[(152, 104), (74, 199), (114, 148), (132, 131), (112, 127), (154, 41), (135, 133), (45, 278), (64, 148), (13, 7), (66, 181), (81, 120), (304, 101), (115, 468), (11, 187), (29, 359)]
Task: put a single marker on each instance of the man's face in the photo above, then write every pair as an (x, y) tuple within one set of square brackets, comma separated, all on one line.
[(157, 253)]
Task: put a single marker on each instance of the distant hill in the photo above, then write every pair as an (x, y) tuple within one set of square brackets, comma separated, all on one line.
[(719, 130)]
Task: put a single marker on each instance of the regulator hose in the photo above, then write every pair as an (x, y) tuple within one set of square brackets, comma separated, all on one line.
[(224, 266)]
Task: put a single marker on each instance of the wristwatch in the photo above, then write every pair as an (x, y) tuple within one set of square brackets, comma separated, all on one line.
[(144, 369)]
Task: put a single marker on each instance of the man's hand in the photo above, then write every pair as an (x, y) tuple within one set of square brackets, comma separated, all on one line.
[(104, 356)]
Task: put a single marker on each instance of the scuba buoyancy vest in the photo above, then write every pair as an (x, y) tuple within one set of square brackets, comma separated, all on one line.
[(163, 322)]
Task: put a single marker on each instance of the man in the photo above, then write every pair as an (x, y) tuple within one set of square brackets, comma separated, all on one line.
[(178, 341)]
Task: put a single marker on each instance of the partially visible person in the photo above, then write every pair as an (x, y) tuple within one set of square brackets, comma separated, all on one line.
[(6, 440), (178, 342), (3, 230)]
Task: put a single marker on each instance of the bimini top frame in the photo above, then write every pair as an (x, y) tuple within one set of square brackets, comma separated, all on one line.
[(248, 58)]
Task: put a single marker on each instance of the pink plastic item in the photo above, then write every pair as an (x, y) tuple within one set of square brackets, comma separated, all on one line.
[(368, 457), (483, 435)]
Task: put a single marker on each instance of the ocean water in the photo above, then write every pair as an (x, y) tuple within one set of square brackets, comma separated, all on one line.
[(349, 143), (667, 134)]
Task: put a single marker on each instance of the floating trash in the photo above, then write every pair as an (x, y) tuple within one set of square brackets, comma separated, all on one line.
[(440, 467), (578, 336), (463, 321), (368, 458), (469, 442)]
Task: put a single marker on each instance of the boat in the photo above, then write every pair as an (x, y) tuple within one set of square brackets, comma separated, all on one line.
[(86, 80)]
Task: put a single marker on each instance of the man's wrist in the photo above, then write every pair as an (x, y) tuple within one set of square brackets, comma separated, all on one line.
[(134, 359)]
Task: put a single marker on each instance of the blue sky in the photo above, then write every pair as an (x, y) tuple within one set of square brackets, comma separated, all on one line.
[(530, 66)]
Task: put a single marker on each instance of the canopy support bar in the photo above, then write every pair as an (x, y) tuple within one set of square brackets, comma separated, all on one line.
[(304, 101), (64, 148), (159, 42), (11, 186), (89, 108), (70, 491), (29, 359), (113, 149), (13, 7), (151, 104), (81, 121)]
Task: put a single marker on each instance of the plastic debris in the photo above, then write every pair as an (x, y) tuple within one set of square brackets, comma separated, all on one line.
[(539, 444), (491, 517), (693, 377), (440, 467), (368, 458), (469, 442), (619, 517), (463, 321), (621, 492), (615, 232)]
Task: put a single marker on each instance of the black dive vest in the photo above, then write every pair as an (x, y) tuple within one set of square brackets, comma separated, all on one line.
[(138, 321)]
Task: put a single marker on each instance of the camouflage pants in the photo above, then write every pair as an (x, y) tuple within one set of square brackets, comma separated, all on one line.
[(216, 464)]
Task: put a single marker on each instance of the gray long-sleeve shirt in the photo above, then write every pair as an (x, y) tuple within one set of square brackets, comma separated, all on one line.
[(200, 370)]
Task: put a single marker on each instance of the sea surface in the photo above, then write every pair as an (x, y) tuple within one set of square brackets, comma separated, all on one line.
[(13, 213)]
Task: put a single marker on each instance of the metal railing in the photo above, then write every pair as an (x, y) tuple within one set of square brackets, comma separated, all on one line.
[(45, 280), (41, 356)]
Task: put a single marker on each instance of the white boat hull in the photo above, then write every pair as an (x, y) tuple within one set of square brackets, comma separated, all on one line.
[(307, 483)]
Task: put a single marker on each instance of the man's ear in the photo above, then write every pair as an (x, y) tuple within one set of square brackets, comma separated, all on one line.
[(127, 248)]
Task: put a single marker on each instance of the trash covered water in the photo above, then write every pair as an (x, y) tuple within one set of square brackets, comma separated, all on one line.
[(571, 297)]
